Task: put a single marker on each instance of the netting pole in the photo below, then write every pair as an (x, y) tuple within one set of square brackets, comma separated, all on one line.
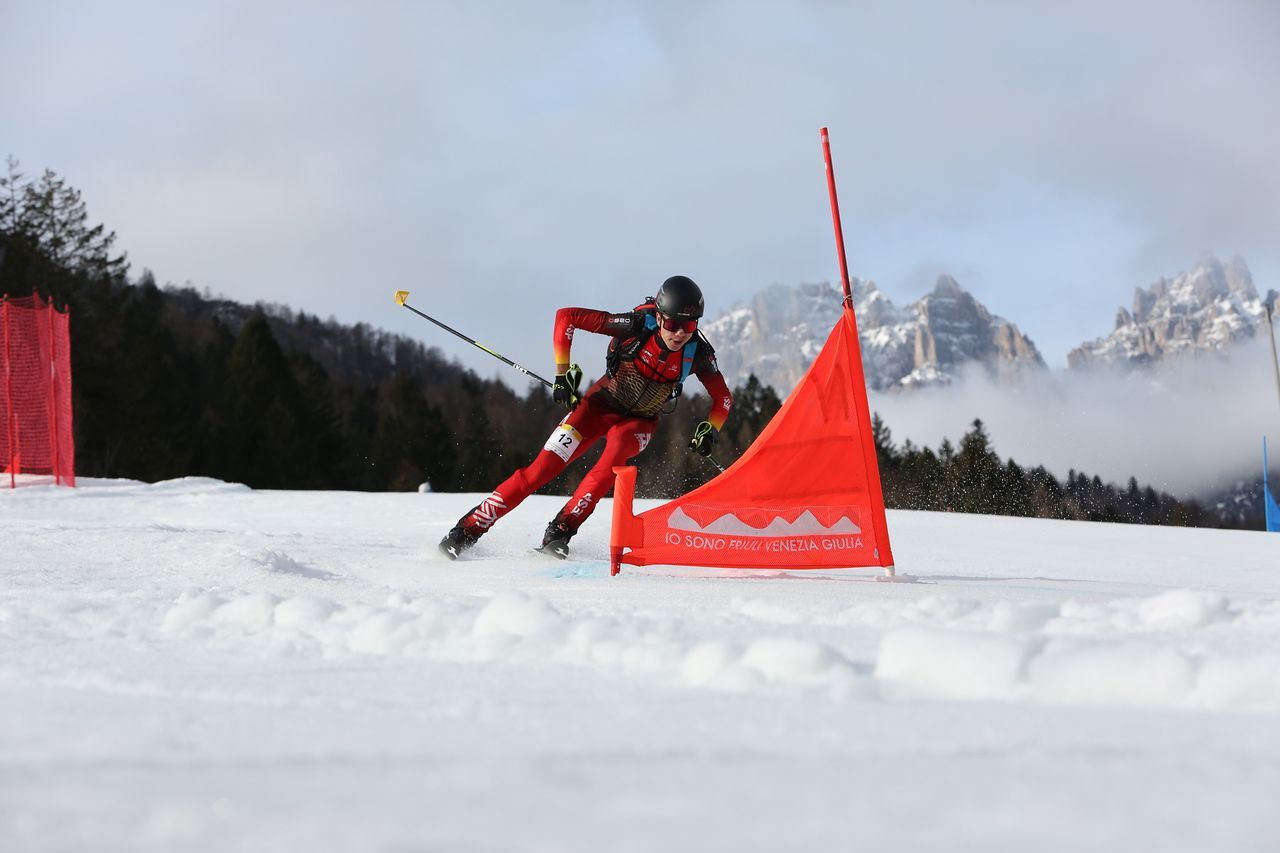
[(55, 434), (68, 465), (8, 394), (1271, 339)]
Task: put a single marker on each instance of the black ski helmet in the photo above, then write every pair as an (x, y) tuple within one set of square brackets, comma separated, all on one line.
[(680, 297)]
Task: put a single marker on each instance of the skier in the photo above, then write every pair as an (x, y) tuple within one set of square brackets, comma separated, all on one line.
[(654, 349)]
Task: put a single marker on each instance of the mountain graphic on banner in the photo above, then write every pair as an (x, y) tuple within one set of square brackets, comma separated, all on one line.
[(763, 522)]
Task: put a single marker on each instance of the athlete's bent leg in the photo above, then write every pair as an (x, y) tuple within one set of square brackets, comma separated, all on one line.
[(569, 440), (624, 440)]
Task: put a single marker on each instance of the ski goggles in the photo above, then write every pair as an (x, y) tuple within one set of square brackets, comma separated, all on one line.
[(671, 324)]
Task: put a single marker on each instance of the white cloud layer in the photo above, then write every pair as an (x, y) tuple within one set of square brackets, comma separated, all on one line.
[(1191, 429)]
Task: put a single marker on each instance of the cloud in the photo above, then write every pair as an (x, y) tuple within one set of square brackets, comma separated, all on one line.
[(1191, 428)]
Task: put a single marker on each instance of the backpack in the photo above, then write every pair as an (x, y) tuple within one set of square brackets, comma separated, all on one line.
[(626, 349)]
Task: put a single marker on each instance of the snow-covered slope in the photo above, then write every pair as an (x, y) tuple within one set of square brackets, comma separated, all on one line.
[(193, 665), (1206, 310), (779, 333)]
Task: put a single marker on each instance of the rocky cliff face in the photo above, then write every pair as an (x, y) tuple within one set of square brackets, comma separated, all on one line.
[(777, 334), (1205, 310)]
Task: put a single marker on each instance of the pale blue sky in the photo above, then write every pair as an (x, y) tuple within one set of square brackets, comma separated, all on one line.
[(500, 159)]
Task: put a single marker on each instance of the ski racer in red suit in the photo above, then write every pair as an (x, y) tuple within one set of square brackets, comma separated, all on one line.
[(654, 349)]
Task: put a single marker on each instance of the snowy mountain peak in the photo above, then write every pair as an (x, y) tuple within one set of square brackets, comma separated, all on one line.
[(1206, 309), (782, 328), (1207, 282), (948, 287)]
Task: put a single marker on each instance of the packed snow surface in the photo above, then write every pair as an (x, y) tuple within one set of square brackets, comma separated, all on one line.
[(194, 665)]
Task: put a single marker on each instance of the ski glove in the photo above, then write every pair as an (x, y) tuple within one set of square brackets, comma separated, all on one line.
[(565, 389), (704, 438)]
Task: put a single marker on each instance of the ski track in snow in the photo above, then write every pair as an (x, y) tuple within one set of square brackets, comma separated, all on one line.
[(150, 634)]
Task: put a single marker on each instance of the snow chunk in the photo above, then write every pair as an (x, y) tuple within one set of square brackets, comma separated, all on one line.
[(1112, 675), (1246, 684), (195, 486), (1182, 608), (785, 659), (252, 612), (704, 662), (1022, 616), (191, 607), (518, 614), (383, 633), (765, 611), (302, 611), (716, 664), (953, 664)]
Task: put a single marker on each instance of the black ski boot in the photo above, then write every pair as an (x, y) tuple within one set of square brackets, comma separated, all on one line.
[(456, 541), (555, 542)]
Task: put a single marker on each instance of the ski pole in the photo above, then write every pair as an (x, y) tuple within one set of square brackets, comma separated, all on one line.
[(402, 297), (715, 463), (1271, 337)]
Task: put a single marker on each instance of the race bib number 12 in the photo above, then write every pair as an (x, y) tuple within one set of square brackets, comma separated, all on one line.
[(563, 441)]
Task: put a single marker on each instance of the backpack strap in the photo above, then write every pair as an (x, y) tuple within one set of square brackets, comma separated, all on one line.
[(625, 349), (690, 352)]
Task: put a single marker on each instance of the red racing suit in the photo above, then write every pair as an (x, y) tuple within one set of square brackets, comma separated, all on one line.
[(622, 407)]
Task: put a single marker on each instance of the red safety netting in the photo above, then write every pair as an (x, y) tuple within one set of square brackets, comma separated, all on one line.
[(805, 495), (35, 390)]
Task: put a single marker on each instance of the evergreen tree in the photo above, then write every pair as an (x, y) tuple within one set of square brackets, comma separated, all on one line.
[(359, 419), (11, 184), (480, 455), (325, 462), (52, 215), (412, 444), (754, 405), (150, 420), (974, 472), (262, 415), (886, 455)]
